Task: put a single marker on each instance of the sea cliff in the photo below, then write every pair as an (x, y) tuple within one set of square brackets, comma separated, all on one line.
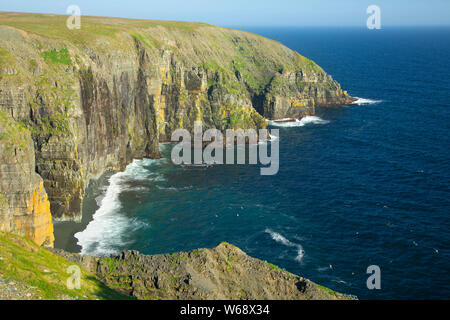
[(24, 206), (96, 98)]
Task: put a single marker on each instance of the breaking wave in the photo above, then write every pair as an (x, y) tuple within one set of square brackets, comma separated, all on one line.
[(289, 122), (104, 235), (280, 239), (362, 101)]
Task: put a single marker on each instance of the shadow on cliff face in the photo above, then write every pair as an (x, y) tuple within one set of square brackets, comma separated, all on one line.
[(104, 292), (258, 103), (65, 231)]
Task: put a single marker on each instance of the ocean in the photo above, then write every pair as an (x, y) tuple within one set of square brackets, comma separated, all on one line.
[(362, 185)]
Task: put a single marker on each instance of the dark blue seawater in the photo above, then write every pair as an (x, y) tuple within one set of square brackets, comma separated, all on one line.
[(370, 187)]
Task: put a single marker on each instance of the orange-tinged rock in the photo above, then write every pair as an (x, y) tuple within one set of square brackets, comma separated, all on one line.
[(24, 205)]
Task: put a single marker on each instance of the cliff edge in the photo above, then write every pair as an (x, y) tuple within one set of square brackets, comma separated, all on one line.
[(221, 273), (31, 272)]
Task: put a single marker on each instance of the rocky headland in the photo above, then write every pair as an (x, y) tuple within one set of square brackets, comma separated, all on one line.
[(74, 103), (221, 273), (84, 101)]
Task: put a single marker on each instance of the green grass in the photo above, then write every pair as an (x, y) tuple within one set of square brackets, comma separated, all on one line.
[(273, 267), (25, 262), (54, 26), (277, 268), (54, 56), (5, 57), (111, 265), (3, 198), (177, 25), (329, 291), (146, 40), (12, 134)]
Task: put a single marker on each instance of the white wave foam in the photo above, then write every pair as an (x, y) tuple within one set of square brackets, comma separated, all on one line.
[(99, 199), (271, 138), (323, 269), (280, 239), (363, 101), (167, 188), (313, 120), (174, 189), (289, 123), (104, 234), (339, 281)]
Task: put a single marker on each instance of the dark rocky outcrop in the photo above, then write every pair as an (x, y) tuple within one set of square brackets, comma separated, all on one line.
[(224, 272)]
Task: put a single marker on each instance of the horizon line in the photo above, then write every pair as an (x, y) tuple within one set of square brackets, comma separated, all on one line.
[(363, 26)]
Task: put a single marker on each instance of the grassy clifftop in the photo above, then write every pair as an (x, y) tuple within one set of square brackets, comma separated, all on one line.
[(256, 59), (28, 271)]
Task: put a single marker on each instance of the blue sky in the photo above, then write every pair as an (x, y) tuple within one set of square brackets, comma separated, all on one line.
[(253, 12)]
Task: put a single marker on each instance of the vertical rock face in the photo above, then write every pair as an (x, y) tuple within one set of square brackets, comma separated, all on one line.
[(24, 206), (95, 98), (295, 95)]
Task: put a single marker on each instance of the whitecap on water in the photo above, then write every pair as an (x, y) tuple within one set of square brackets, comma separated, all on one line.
[(280, 239), (323, 269), (174, 189)]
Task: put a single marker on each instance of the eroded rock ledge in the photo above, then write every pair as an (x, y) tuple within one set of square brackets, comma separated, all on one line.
[(224, 272)]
